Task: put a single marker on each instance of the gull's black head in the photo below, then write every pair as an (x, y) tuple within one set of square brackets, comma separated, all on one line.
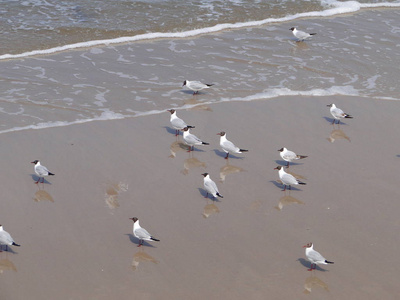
[(293, 28), (134, 219), (34, 162), (184, 83), (204, 174)]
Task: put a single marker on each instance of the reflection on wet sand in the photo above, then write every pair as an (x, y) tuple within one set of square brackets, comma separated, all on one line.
[(210, 209), (112, 192), (194, 101), (7, 265), (42, 195), (337, 134), (191, 163), (286, 200), (141, 256), (176, 147), (228, 169), (312, 282)]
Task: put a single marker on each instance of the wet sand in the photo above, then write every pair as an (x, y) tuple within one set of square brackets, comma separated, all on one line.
[(76, 242)]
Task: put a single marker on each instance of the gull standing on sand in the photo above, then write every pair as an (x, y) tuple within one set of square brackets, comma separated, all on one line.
[(6, 239), (315, 257), (337, 113), (228, 146), (301, 35), (287, 179), (40, 170), (177, 123), (191, 140), (210, 186), (141, 233), (196, 86), (289, 156)]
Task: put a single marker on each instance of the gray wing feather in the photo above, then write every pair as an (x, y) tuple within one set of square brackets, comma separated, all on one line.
[(5, 238), (316, 256), (142, 233), (41, 170), (289, 155), (211, 187), (229, 146), (337, 112), (289, 179), (178, 123), (192, 139)]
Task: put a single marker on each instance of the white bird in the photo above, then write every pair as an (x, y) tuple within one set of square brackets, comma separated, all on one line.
[(141, 233), (315, 257), (196, 86), (6, 239), (228, 146), (301, 35), (210, 186), (191, 140), (40, 170), (177, 123), (337, 113), (286, 178), (289, 156)]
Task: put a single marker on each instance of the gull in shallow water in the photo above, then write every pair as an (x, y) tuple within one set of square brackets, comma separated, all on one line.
[(141, 233), (40, 170), (177, 123), (287, 179), (191, 140), (196, 86), (315, 257), (6, 239), (301, 35), (210, 186), (228, 146), (289, 156), (337, 113)]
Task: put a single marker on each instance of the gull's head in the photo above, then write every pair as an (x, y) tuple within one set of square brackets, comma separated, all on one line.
[(331, 105), (278, 168), (293, 29), (205, 174), (134, 219), (186, 129), (281, 150), (309, 245), (184, 83), (34, 162), (222, 133), (171, 111)]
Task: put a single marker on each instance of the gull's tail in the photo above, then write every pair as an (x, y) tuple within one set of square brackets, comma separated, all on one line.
[(189, 126), (15, 244), (312, 33), (51, 173), (204, 143), (329, 262), (243, 150), (154, 239), (209, 84), (301, 182), (219, 195), (348, 117), (301, 156)]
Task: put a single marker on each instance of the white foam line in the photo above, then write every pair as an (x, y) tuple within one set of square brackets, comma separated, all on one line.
[(337, 8)]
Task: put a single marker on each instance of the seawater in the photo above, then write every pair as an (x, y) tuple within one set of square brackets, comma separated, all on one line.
[(125, 66)]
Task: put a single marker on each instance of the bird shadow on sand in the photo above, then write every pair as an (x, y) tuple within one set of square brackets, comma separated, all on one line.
[(203, 192), (35, 178), (223, 154), (7, 249), (330, 120), (170, 130), (284, 163), (136, 241), (281, 186), (191, 92), (307, 264)]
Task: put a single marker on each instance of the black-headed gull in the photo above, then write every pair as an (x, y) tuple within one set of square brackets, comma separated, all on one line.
[(141, 233), (210, 186), (286, 178), (337, 113), (40, 170), (228, 146), (191, 140), (177, 123), (315, 257), (6, 239), (301, 35), (196, 86), (289, 156)]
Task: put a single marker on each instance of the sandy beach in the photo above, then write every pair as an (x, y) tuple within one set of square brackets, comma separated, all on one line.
[(77, 243)]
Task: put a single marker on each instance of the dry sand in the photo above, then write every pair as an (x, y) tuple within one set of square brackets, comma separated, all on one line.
[(76, 240)]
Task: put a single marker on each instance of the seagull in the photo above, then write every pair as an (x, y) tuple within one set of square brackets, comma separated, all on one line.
[(177, 123), (315, 257), (191, 140), (196, 86), (228, 146), (337, 113), (301, 35), (40, 170), (6, 239), (286, 178), (141, 233), (289, 156), (210, 186)]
